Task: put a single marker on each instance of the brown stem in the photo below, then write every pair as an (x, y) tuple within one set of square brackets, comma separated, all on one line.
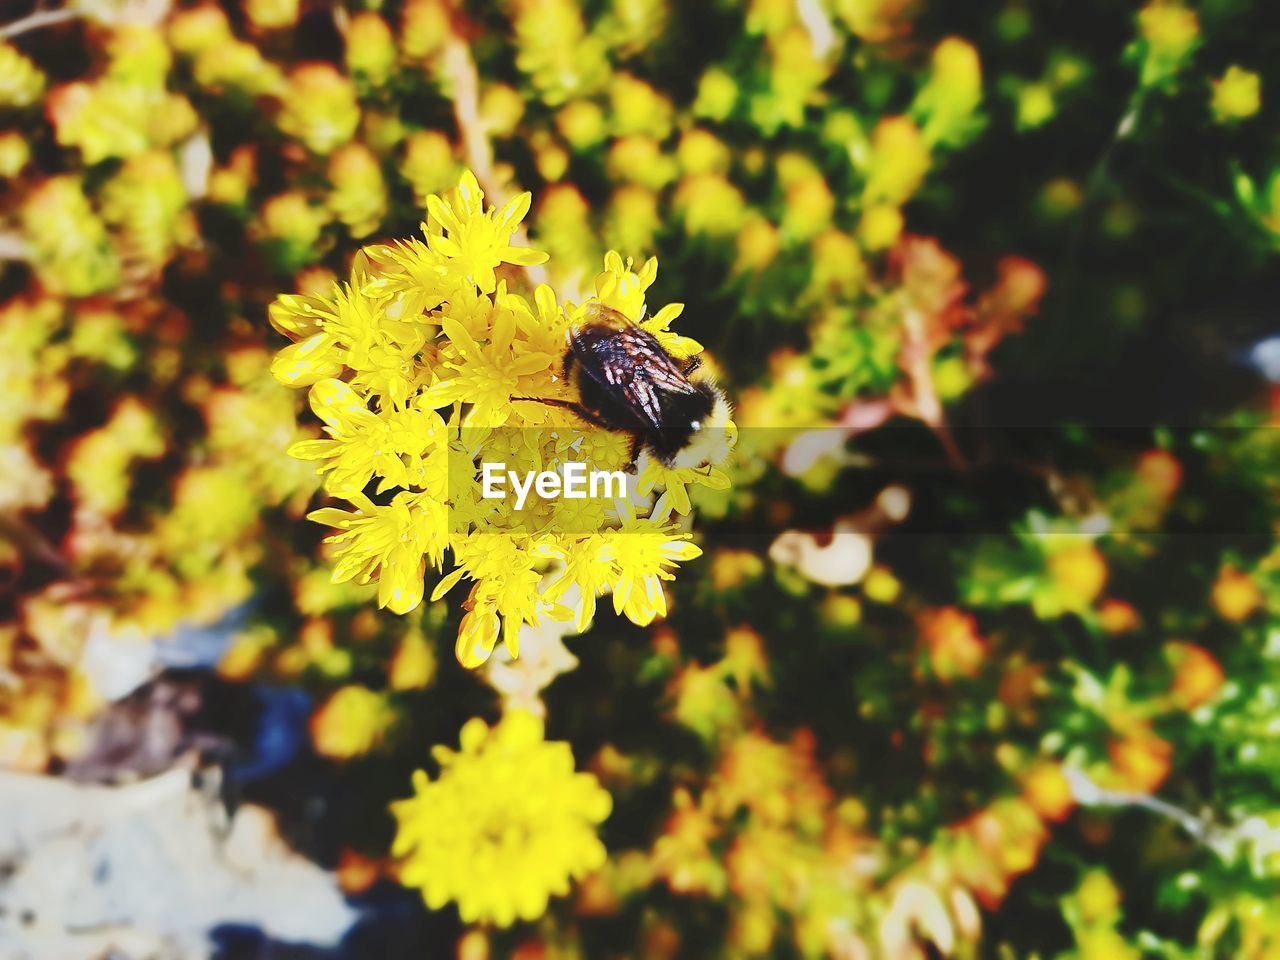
[(34, 21)]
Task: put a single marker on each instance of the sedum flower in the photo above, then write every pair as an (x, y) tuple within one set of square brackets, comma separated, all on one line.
[(394, 540), (15, 154), (632, 219), (371, 48), (350, 723), (272, 14), (428, 164), (643, 552), (640, 159), (147, 202), (582, 124), (70, 248), (898, 163), (113, 118), (359, 194), (505, 826), (425, 28), (1169, 33), (501, 109), (555, 51), (717, 94), (417, 368), (139, 55), (319, 108), (393, 445), (1237, 95), (21, 81), (291, 226), (948, 103), (638, 108), (474, 242), (710, 205)]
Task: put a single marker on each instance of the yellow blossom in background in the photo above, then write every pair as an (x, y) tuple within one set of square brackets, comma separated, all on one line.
[(1235, 594), (501, 109), (350, 722), (428, 164), (319, 107), (14, 153), (899, 161), (139, 55), (112, 118), (359, 194), (556, 52), (717, 94), (292, 223), (21, 81), (1237, 95), (72, 250), (371, 47), (949, 101), (272, 14), (581, 123), (1170, 33), (147, 202), (506, 825)]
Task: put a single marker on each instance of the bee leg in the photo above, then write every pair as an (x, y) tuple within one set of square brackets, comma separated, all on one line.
[(692, 364), (570, 405), (633, 454)]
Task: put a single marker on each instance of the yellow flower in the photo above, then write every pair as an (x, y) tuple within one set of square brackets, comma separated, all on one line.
[(710, 204), (292, 226), (319, 107), (582, 124), (717, 94), (270, 14), (640, 159), (1170, 33), (21, 81), (501, 107), (1237, 95), (70, 248), (392, 542), (643, 551), (556, 52), (371, 48), (393, 445), (359, 195), (350, 722), (114, 118), (428, 164), (476, 241), (949, 101), (899, 161), (507, 824), (15, 154), (147, 202), (638, 108), (419, 369)]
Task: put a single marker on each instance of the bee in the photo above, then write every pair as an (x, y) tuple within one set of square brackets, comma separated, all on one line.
[(626, 382)]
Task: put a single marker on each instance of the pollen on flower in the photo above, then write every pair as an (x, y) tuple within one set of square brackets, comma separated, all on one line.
[(417, 369)]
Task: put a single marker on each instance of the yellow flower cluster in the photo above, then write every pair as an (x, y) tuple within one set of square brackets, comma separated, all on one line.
[(506, 825), (416, 367)]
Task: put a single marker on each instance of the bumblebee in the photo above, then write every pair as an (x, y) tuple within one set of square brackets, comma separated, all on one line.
[(627, 382)]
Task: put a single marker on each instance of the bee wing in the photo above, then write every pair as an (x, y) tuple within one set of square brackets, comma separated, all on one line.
[(631, 363)]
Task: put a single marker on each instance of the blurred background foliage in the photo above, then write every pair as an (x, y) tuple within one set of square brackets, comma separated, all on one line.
[(983, 654)]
